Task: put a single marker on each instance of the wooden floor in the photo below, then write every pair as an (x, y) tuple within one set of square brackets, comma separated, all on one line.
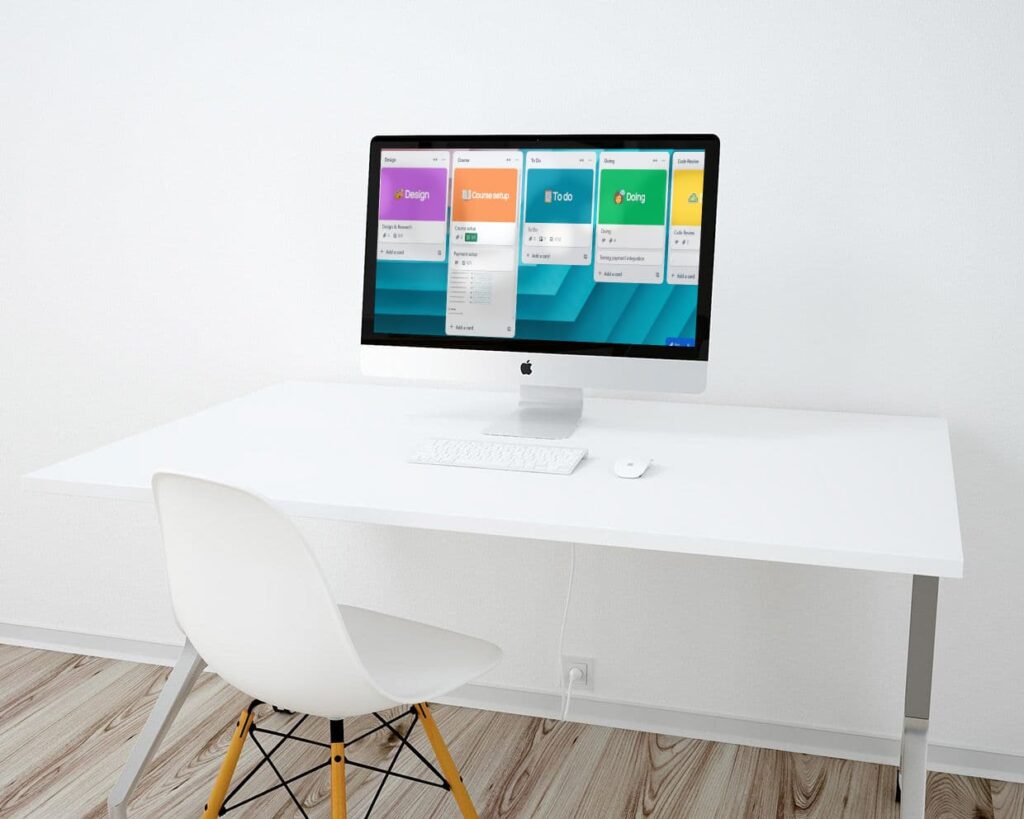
[(67, 722)]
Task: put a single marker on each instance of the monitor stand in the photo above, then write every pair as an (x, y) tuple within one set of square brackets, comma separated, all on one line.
[(544, 412)]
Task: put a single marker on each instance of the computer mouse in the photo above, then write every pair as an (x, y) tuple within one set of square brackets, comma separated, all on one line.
[(631, 467)]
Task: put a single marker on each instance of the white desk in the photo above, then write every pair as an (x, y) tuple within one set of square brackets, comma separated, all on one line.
[(823, 489)]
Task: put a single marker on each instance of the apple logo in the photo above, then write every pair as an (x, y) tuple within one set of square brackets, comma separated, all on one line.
[(526, 368)]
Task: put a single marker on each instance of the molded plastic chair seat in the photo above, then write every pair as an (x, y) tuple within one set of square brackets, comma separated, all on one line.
[(254, 603), (413, 662)]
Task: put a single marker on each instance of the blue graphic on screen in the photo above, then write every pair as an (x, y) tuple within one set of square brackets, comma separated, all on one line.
[(554, 302), (559, 195)]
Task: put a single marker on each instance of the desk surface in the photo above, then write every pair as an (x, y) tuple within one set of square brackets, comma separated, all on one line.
[(817, 488)]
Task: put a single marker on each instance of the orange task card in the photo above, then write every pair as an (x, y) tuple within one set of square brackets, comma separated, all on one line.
[(485, 194)]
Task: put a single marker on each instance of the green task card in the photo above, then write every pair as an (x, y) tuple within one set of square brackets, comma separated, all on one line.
[(631, 196)]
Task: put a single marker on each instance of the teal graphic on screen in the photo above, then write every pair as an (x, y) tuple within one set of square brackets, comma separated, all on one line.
[(579, 275), (559, 195)]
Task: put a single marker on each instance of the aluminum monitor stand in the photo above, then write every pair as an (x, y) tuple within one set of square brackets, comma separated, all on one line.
[(544, 412)]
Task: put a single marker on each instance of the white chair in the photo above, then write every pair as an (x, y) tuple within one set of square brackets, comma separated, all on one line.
[(251, 598)]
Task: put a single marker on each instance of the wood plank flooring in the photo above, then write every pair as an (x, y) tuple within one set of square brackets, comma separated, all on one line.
[(67, 723)]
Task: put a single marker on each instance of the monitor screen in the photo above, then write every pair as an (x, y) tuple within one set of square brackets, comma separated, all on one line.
[(593, 245)]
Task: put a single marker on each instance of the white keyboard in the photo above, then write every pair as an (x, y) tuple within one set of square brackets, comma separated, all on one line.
[(553, 460)]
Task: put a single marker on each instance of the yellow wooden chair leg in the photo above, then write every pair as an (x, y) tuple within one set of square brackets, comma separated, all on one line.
[(338, 809), (227, 768), (451, 773)]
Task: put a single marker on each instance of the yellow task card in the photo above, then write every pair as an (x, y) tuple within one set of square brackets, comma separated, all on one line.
[(687, 197)]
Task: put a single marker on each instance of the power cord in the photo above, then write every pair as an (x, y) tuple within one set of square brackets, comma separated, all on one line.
[(575, 674)]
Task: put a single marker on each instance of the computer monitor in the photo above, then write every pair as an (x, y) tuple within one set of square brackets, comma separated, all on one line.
[(551, 262)]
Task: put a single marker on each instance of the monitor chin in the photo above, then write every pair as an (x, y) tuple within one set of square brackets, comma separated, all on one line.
[(507, 368)]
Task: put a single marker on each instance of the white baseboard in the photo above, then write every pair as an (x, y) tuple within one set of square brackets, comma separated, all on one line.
[(595, 711), (92, 645), (738, 731)]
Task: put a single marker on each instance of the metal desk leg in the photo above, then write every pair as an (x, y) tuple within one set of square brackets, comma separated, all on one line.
[(920, 653), (175, 690)]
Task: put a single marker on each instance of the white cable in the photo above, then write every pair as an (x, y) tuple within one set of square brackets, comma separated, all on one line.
[(574, 675), (561, 632)]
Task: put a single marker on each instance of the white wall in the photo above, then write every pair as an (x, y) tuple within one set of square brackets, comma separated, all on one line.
[(182, 193)]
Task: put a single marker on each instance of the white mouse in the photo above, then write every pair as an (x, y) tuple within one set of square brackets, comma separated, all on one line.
[(631, 467)]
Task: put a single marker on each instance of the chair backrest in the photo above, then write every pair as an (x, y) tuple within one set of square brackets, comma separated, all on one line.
[(252, 599)]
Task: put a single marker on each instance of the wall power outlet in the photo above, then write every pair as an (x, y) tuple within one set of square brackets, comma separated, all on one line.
[(585, 665)]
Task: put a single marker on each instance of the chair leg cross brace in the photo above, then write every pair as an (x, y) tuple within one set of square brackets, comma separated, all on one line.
[(262, 762), (403, 742), (391, 765), (284, 782), (448, 777), (266, 760)]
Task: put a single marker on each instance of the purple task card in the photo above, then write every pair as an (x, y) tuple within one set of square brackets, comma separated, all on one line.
[(414, 194)]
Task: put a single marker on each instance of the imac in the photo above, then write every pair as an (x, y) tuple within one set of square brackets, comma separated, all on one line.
[(554, 263)]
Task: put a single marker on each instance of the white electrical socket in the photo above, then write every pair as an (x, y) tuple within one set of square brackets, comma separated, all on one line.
[(585, 665)]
